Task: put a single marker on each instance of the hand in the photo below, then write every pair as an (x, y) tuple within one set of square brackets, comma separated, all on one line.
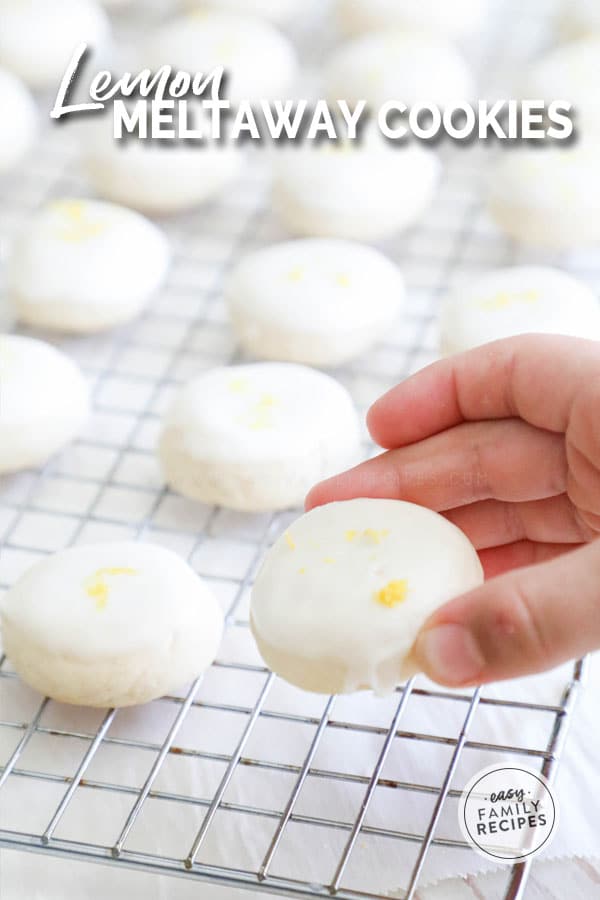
[(504, 441)]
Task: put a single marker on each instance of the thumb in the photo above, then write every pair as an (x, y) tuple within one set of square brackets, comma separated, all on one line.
[(526, 621)]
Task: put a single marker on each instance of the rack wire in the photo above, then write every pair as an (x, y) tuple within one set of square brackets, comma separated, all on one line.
[(107, 486)]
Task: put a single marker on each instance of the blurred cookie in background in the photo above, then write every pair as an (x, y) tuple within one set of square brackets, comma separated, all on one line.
[(581, 17), (455, 20), (503, 303), (82, 266), (548, 197), (259, 60), (570, 73), (396, 65), (158, 178), (38, 38), (363, 190), (319, 302), (277, 11), (18, 123)]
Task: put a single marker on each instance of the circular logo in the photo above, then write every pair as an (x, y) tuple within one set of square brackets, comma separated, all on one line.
[(508, 814)]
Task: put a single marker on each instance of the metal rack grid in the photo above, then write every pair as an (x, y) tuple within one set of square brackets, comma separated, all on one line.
[(107, 487)]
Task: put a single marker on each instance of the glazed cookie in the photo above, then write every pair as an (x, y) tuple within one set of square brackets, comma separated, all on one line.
[(319, 302), (570, 73), (342, 595), (257, 437), (364, 190), (110, 624), (519, 300), (455, 20), (37, 38), (548, 197), (277, 11), (83, 266), (18, 122), (259, 60), (158, 179), (44, 402), (397, 65)]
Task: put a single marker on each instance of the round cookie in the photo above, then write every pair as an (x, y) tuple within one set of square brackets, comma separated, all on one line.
[(259, 60), (396, 65), (455, 20), (342, 595), (37, 38), (519, 300), (277, 11), (319, 302), (365, 190), (257, 437), (548, 197), (112, 624), (44, 402), (570, 73), (83, 266), (18, 123), (158, 179)]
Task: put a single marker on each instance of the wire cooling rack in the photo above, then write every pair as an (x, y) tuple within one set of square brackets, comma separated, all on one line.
[(91, 778)]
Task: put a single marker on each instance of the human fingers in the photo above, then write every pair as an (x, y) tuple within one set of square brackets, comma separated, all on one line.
[(498, 560), (526, 621), (492, 523), (506, 460), (532, 377)]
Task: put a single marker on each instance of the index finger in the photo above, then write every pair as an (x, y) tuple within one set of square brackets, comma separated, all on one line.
[(533, 377)]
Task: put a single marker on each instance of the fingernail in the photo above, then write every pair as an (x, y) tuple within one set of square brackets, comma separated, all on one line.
[(449, 654)]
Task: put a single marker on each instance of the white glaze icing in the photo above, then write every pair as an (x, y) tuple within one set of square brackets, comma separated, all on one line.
[(341, 596), (318, 301)]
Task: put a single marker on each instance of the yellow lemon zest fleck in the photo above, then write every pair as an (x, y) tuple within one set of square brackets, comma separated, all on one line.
[(97, 588), (267, 400), (350, 535), (342, 280), (290, 541), (301, 571), (238, 385), (78, 227), (296, 275), (504, 299), (329, 560), (376, 536), (392, 594)]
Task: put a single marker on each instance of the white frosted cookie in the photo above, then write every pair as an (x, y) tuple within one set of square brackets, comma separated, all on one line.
[(159, 178), (456, 19), (257, 437), (259, 60), (111, 624), (83, 266), (342, 595), (549, 196), (319, 302), (38, 38), (277, 11), (570, 73), (397, 65), (44, 402), (18, 121), (519, 300), (362, 190)]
